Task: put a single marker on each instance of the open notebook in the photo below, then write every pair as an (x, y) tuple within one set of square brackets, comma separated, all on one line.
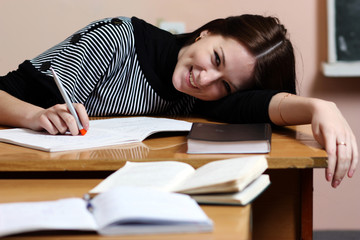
[(101, 133), (120, 211)]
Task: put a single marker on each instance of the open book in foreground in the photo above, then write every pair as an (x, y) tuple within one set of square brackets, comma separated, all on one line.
[(101, 133), (231, 181), (120, 211)]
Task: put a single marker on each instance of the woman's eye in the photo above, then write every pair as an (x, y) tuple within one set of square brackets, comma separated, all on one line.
[(227, 87), (217, 58)]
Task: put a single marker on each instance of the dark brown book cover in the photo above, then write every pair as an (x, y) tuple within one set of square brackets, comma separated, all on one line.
[(230, 132), (229, 138)]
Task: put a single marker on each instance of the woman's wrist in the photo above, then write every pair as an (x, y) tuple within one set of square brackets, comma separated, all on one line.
[(316, 106), (31, 119)]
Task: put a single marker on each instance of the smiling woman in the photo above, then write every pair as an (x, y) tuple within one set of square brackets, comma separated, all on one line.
[(203, 72), (259, 37), (237, 69), (123, 66)]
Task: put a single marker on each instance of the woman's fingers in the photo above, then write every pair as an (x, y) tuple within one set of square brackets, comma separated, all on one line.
[(50, 121), (354, 155), (342, 153), (342, 163), (82, 114), (58, 119), (330, 147), (47, 125)]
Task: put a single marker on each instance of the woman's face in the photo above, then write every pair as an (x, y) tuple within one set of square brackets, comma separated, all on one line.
[(213, 67)]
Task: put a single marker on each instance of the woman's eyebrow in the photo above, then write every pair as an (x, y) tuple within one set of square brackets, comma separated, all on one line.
[(223, 56), (223, 63)]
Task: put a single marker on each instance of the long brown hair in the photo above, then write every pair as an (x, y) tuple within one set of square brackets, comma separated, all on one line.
[(266, 39)]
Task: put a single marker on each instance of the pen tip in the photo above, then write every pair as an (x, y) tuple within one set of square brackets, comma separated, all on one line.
[(82, 132)]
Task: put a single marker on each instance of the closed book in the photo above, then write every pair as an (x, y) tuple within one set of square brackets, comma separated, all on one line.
[(244, 197), (206, 138)]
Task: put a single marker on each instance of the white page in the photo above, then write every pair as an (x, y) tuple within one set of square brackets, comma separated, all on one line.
[(162, 175), (129, 204), (101, 133), (243, 170), (65, 214)]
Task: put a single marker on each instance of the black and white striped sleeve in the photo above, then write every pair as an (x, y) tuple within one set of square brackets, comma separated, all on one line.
[(89, 57)]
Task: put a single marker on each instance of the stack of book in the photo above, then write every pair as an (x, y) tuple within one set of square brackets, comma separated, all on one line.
[(230, 181), (145, 198)]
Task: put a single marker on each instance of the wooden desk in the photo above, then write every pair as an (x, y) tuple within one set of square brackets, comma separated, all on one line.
[(230, 222), (292, 147), (283, 211)]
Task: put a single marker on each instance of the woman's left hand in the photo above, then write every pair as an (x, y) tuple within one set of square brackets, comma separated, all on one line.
[(329, 128), (333, 132)]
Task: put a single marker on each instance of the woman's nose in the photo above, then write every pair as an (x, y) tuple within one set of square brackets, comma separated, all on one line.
[(208, 77)]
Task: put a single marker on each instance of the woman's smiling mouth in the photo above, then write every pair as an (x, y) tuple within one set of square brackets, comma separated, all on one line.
[(191, 79)]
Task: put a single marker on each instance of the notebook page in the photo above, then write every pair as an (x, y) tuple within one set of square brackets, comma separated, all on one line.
[(64, 214), (147, 206), (162, 175)]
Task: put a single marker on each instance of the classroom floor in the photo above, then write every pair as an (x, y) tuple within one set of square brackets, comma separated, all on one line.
[(336, 235)]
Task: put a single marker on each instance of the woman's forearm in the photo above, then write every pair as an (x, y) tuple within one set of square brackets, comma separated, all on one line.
[(289, 109), (16, 113)]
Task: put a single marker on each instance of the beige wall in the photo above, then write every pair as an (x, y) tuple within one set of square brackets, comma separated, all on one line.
[(29, 27)]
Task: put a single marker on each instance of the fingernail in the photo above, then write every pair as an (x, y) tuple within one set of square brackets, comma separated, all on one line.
[(336, 183), (329, 177), (351, 173)]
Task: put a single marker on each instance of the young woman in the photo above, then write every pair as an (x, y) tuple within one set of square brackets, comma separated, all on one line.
[(239, 69)]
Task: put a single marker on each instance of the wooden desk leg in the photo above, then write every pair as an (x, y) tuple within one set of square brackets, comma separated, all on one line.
[(277, 211), (306, 176)]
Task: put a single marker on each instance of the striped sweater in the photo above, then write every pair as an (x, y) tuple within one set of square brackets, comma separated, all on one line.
[(99, 67)]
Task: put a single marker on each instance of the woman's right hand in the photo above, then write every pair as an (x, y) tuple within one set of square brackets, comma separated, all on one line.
[(58, 120)]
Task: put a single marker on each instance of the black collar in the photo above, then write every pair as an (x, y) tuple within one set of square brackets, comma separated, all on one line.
[(157, 51)]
